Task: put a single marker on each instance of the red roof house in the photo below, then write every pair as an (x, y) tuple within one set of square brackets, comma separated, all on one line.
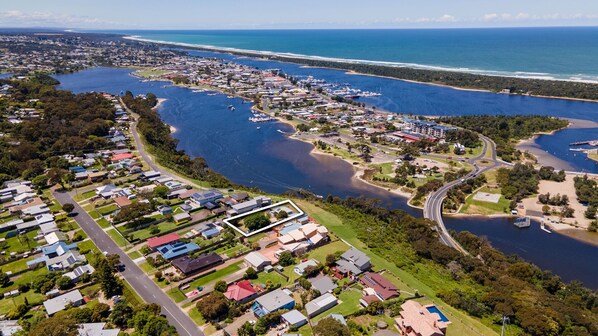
[(121, 156), (383, 288), (162, 240), (241, 291), (122, 201)]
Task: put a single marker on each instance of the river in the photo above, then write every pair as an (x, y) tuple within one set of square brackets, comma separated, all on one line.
[(268, 159)]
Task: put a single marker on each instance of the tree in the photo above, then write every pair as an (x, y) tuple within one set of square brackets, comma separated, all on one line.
[(546, 210), (330, 259), (161, 191), (286, 259), (121, 314), (250, 273), (40, 181), (303, 282), (64, 282), (256, 221), (57, 175), (311, 271), (100, 312), (246, 330), (158, 275), (68, 207), (58, 325), (104, 274), (213, 306), (331, 327), (221, 285), (281, 215), (4, 279)]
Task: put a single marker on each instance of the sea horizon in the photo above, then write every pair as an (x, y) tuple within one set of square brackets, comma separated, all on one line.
[(550, 53)]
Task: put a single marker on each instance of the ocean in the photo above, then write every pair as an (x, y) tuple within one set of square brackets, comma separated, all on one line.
[(552, 53)]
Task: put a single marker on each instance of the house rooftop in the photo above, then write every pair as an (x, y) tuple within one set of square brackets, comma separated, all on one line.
[(162, 240)]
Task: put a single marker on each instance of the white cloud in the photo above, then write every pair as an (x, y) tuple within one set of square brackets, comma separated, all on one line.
[(509, 17), (443, 18), (15, 18)]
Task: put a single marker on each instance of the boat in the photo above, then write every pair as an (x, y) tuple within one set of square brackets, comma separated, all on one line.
[(230, 97), (522, 222), (212, 94), (280, 131), (232, 108), (258, 127)]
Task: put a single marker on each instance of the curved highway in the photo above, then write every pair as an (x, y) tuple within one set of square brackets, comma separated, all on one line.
[(433, 205)]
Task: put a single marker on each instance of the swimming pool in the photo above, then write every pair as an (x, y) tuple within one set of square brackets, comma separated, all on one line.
[(434, 309)]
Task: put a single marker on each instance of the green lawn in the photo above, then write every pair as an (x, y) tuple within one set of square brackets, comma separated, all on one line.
[(8, 304), (146, 267), (16, 266), (19, 243), (103, 223), (131, 296), (321, 252), (117, 237), (472, 206), (145, 233), (274, 277), (233, 251), (348, 304), (462, 324), (94, 214), (26, 278), (106, 210), (196, 317), (134, 255), (176, 294), (202, 281)]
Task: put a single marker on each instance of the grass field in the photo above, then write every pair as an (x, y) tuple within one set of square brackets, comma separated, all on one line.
[(117, 237), (134, 255), (176, 294), (145, 233), (321, 252), (20, 243), (8, 304), (462, 324), (202, 281), (103, 223), (473, 206), (273, 277), (108, 209), (196, 317)]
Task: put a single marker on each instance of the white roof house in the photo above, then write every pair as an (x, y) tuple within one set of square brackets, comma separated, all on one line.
[(257, 260), (96, 329), (320, 304), (60, 302)]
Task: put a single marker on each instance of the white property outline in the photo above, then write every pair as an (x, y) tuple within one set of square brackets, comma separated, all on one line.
[(245, 234)]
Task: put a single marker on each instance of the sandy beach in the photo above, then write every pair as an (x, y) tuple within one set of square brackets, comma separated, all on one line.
[(544, 157)]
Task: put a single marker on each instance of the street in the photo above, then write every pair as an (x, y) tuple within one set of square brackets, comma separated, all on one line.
[(142, 284)]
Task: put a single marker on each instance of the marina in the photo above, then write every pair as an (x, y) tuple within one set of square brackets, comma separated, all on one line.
[(522, 222)]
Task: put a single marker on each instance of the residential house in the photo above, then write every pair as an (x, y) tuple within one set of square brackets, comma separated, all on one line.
[(353, 262), (300, 269), (65, 261), (320, 304), (257, 261), (181, 217), (189, 266), (275, 300), (415, 319), (256, 203), (241, 291), (9, 327), (177, 249), (59, 303), (79, 271), (207, 196), (294, 318), (155, 242), (323, 284), (54, 237), (96, 329), (377, 288)]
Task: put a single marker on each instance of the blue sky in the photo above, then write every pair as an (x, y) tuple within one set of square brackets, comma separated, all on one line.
[(304, 14)]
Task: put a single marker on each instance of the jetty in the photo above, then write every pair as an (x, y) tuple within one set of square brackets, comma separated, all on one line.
[(587, 142), (522, 222), (544, 228)]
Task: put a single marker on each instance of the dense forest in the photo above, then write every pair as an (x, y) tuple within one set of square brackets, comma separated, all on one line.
[(586, 190), (70, 124), (161, 143), (487, 284), (504, 129), (540, 87)]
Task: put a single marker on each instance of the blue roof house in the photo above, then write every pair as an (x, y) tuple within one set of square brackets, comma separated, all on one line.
[(57, 249), (210, 233), (177, 249)]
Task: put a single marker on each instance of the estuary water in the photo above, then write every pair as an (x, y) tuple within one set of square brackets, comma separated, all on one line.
[(268, 159)]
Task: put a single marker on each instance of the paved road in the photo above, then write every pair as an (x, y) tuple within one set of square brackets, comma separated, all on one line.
[(147, 157), (433, 205), (142, 284)]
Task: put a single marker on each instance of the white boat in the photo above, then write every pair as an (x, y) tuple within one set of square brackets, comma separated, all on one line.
[(258, 127)]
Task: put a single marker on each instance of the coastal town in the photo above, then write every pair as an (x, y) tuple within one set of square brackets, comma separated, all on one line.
[(98, 221)]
